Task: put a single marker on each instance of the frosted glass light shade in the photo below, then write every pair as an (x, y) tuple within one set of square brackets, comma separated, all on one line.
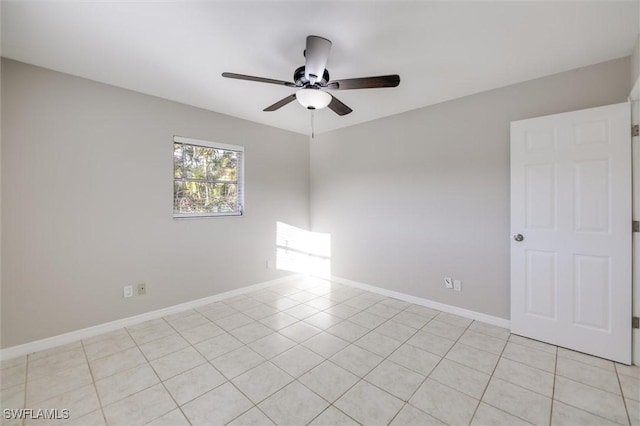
[(313, 98)]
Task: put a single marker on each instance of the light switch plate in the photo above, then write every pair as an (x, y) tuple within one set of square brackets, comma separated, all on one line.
[(448, 282)]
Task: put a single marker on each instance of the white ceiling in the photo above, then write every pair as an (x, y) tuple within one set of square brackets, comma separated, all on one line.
[(442, 50)]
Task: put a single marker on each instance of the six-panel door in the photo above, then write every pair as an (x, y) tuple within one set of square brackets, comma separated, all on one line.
[(571, 202)]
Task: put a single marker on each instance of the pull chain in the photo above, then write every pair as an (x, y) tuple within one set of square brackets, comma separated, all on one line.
[(312, 126)]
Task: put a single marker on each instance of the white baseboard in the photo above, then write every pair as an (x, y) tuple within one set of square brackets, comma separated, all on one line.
[(72, 336), (85, 333), (478, 316)]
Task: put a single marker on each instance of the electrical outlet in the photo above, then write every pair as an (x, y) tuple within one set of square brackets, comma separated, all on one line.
[(448, 282), (128, 291), (457, 285), (142, 289), (269, 264)]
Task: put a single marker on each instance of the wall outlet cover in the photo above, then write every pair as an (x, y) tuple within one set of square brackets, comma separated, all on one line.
[(128, 291), (457, 285), (142, 288)]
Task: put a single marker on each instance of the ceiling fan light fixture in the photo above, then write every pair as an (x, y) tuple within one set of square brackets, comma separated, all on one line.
[(313, 98)]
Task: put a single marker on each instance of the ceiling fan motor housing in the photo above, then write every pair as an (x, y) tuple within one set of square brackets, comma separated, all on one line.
[(302, 81)]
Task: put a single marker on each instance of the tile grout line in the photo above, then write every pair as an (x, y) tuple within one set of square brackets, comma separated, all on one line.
[(325, 359), (434, 367), (591, 386), (555, 375), (350, 343), (553, 389), (586, 363), (93, 381), (406, 342), (158, 376), (335, 408), (207, 361), (490, 376), (254, 320), (26, 383), (624, 400), (590, 413), (229, 380), (531, 366), (360, 379), (189, 343), (296, 379), (457, 341)]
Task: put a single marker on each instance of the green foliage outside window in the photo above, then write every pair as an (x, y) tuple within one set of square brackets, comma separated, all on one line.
[(206, 180)]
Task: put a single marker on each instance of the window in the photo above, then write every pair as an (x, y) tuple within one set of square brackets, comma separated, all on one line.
[(207, 178)]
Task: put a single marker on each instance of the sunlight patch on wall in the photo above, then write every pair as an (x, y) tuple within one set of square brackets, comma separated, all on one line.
[(299, 250)]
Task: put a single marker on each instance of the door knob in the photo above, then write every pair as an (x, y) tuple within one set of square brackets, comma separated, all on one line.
[(518, 237)]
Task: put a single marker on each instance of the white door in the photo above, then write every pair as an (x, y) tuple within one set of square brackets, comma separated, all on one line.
[(571, 230)]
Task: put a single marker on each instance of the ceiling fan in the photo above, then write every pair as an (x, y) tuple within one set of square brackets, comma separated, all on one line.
[(312, 79)]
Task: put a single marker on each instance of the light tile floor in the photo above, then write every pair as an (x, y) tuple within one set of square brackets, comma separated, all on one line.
[(319, 353)]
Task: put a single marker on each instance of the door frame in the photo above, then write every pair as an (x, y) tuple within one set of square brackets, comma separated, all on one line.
[(634, 98)]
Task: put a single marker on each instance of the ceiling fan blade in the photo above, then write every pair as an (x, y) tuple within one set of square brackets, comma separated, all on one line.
[(282, 102), (316, 56), (338, 107), (392, 80), (258, 79)]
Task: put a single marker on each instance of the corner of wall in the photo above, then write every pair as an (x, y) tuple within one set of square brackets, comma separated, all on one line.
[(0, 189), (635, 68)]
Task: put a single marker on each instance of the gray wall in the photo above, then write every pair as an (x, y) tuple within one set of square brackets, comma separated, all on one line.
[(86, 197), (87, 203), (415, 197), (635, 62)]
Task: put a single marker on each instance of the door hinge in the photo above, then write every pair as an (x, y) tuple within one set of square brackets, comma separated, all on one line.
[(635, 226), (635, 322), (635, 130)]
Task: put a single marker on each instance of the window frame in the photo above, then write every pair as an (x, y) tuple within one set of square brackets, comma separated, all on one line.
[(239, 181)]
